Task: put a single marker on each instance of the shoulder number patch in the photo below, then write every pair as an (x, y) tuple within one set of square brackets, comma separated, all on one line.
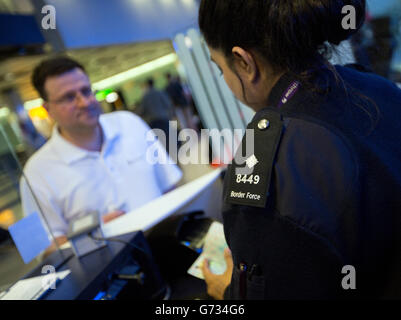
[(249, 175)]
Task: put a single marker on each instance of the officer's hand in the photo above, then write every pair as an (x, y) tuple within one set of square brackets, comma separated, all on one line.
[(217, 284), (112, 215)]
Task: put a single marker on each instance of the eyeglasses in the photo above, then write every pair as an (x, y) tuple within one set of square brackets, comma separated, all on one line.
[(70, 97)]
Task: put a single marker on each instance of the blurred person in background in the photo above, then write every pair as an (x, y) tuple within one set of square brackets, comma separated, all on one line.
[(377, 45), (93, 162), (157, 109), (34, 140), (181, 102)]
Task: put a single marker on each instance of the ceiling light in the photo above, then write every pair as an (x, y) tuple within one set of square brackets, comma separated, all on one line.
[(33, 104), (112, 97), (135, 72), (4, 112)]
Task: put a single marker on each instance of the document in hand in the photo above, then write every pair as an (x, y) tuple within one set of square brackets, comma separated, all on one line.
[(213, 250), (152, 213)]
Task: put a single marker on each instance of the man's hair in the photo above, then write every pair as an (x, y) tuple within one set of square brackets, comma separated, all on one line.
[(50, 68)]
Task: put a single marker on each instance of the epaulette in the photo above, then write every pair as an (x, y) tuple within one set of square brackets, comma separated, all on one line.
[(249, 175)]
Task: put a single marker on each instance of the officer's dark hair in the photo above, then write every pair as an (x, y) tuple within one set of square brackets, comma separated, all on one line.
[(291, 35), (52, 67)]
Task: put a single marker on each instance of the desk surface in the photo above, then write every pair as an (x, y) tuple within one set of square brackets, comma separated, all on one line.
[(88, 273)]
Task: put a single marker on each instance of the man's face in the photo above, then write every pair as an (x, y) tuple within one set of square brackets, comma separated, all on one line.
[(70, 101)]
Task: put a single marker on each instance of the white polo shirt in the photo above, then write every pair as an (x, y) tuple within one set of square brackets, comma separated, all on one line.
[(70, 182)]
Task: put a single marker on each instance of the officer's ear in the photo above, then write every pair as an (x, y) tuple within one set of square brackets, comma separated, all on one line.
[(246, 65)]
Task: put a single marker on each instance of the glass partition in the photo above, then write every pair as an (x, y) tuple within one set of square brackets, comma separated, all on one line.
[(12, 157)]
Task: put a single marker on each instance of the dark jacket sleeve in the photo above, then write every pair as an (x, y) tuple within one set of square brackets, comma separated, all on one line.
[(297, 264), (307, 232)]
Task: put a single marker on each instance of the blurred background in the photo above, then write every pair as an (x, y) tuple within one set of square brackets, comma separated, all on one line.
[(122, 44)]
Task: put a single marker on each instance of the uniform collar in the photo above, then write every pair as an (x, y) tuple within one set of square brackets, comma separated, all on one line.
[(276, 95), (70, 153), (279, 88), (324, 81)]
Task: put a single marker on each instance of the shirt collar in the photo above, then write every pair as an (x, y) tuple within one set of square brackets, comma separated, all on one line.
[(70, 153), (110, 131)]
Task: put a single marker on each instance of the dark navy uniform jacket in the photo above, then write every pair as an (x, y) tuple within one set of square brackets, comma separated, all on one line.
[(329, 174)]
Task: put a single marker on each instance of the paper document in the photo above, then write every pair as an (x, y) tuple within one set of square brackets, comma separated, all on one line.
[(213, 250), (150, 214), (33, 288)]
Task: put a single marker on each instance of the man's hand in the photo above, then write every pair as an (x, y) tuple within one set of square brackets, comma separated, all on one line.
[(112, 215), (58, 242), (217, 284)]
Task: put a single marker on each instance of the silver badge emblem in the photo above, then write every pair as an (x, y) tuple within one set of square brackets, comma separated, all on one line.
[(252, 161)]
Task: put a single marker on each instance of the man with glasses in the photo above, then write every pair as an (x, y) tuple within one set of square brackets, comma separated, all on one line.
[(93, 162)]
